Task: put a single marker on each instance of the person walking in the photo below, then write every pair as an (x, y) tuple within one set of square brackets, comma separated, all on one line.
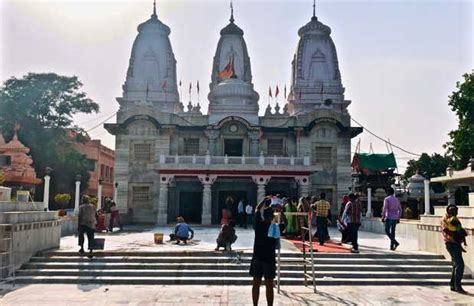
[(182, 231), (249, 211), (352, 213), (322, 209), (263, 262), (86, 225), (341, 223), (391, 214), (453, 236)]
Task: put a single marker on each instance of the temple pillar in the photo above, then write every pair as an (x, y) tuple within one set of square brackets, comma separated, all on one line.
[(162, 218), (368, 214), (427, 197), (261, 182), (77, 194), (303, 182), (207, 181)]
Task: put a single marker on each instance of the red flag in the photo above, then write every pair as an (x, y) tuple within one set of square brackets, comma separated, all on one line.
[(197, 86), (270, 92), (277, 91), (228, 71)]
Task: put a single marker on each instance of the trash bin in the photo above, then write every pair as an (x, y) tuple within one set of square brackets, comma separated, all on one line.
[(158, 238)]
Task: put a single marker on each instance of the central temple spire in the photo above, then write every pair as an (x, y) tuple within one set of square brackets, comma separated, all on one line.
[(154, 10), (231, 12), (314, 11)]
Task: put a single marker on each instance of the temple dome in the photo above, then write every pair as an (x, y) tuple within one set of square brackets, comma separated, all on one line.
[(151, 74), (315, 79), (231, 59), (232, 92)]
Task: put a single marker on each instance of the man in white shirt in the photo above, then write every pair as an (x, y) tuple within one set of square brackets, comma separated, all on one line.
[(241, 213), (249, 211)]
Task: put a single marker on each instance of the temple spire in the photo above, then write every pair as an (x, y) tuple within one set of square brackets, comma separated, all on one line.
[(231, 12), (314, 11), (154, 9)]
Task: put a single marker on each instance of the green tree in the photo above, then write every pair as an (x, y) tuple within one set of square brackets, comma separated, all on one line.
[(43, 105), (461, 145)]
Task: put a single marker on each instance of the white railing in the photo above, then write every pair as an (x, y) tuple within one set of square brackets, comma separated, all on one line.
[(234, 160)]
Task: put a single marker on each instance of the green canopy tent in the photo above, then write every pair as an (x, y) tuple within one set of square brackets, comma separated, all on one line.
[(365, 162)]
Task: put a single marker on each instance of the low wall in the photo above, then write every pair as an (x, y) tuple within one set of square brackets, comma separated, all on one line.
[(68, 226), (405, 229)]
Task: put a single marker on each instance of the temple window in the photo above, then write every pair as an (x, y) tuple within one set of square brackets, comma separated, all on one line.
[(141, 196), (142, 152), (191, 146), (275, 147), (323, 155)]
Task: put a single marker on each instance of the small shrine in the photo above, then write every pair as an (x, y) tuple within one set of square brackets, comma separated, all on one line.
[(16, 165)]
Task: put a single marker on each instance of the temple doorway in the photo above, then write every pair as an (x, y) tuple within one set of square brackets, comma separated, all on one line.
[(190, 206)]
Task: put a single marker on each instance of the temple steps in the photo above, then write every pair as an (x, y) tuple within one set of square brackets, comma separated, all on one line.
[(216, 268)]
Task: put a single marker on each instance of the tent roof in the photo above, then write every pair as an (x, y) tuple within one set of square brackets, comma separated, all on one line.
[(374, 161)]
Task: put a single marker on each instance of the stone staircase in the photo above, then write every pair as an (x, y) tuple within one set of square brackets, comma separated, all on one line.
[(213, 268)]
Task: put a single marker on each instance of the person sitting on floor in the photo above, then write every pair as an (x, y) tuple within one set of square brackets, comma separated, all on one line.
[(182, 231), (226, 236)]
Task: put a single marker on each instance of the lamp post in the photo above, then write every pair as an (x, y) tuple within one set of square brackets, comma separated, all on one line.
[(115, 191), (47, 179), (99, 194), (77, 195)]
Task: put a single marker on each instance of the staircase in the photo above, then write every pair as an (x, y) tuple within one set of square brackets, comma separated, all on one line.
[(213, 268)]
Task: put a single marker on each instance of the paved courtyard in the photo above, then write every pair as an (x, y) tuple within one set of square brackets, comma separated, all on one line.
[(142, 239)]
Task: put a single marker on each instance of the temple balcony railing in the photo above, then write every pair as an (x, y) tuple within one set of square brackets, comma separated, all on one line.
[(234, 160), (237, 162)]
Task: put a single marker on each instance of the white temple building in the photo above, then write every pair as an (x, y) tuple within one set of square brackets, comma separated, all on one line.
[(173, 160)]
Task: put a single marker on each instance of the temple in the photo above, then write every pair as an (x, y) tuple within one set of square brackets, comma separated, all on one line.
[(173, 160), (16, 165)]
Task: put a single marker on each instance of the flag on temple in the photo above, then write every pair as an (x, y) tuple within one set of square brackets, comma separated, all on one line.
[(180, 83), (228, 71), (277, 91), (270, 92), (190, 87), (284, 91), (197, 87)]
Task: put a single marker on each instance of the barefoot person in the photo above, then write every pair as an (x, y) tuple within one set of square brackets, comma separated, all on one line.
[(182, 231), (454, 235), (391, 214), (263, 258), (86, 225)]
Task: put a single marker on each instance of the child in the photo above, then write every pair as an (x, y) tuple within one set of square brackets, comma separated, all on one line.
[(458, 233)]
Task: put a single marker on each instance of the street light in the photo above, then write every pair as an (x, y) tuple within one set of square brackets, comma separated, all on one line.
[(77, 195), (47, 178)]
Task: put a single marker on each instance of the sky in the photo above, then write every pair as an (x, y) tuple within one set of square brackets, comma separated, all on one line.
[(399, 60)]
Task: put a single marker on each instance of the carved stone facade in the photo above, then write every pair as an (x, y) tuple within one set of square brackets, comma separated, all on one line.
[(173, 163)]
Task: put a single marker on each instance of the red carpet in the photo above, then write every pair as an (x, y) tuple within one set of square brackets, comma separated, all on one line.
[(328, 247)]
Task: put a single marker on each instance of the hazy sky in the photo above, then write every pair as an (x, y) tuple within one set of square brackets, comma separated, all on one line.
[(399, 60)]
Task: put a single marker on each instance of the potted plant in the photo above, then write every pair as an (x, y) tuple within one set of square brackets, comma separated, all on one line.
[(62, 199)]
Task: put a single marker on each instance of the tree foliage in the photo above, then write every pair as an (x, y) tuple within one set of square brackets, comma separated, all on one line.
[(461, 145), (43, 105)]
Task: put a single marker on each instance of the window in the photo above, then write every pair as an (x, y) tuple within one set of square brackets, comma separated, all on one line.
[(142, 152), (233, 147), (275, 147), (323, 155), (141, 197), (191, 146)]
